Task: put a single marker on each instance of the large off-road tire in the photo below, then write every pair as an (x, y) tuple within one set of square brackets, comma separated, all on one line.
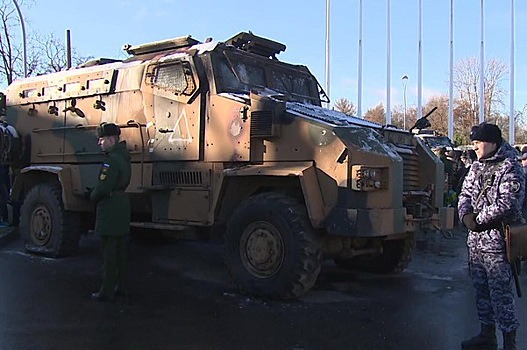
[(271, 249), (45, 226), (396, 256)]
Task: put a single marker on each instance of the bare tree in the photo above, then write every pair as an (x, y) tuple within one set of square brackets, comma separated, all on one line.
[(53, 57), (45, 54), (10, 47), (521, 126), (345, 106), (467, 80)]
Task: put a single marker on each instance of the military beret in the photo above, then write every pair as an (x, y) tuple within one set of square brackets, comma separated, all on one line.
[(486, 132), (108, 129)]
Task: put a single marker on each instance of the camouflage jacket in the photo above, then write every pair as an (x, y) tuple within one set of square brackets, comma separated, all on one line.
[(499, 182)]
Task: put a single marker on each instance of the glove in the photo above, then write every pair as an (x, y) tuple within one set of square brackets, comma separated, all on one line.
[(470, 221), (87, 193)]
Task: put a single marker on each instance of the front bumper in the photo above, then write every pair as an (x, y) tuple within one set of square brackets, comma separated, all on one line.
[(383, 222)]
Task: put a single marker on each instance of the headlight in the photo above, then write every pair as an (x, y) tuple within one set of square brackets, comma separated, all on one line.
[(365, 178)]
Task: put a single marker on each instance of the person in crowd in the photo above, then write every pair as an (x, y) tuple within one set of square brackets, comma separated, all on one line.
[(523, 159), (5, 185), (466, 159), (112, 222), (491, 195), (449, 167), (449, 196)]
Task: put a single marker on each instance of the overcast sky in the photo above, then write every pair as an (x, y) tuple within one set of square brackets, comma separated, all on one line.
[(100, 28)]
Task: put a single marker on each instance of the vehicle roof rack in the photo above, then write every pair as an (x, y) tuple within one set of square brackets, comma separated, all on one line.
[(98, 61), (256, 44), (162, 45)]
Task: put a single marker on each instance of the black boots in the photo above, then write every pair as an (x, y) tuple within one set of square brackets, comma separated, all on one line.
[(509, 340), (486, 339)]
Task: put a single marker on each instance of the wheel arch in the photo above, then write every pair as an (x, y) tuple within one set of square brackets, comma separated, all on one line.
[(298, 181), (31, 176), (234, 190)]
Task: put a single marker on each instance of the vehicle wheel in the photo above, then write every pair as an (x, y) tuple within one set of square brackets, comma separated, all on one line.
[(271, 250), (396, 256), (45, 226)]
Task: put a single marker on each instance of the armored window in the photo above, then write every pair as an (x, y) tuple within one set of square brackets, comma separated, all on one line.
[(29, 93), (236, 75), (292, 83), (250, 74), (174, 77), (228, 80), (241, 73)]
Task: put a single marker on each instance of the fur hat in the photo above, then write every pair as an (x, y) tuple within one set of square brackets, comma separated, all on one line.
[(108, 129), (486, 132)]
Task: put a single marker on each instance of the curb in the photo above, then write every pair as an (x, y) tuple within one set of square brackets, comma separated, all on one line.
[(7, 232)]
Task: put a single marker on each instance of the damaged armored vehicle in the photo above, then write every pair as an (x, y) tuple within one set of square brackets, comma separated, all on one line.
[(227, 142)]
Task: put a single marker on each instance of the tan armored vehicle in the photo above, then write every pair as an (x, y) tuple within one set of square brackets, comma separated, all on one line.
[(226, 142)]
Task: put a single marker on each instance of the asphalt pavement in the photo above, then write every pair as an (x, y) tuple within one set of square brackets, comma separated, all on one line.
[(7, 232), (181, 297)]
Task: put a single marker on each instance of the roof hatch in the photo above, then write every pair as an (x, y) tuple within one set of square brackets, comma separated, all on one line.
[(256, 44), (162, 45)]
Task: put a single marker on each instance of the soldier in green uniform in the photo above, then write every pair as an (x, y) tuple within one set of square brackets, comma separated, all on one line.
[(113, 211)]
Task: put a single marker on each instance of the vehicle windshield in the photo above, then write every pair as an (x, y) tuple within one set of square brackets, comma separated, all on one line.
[(438, 141), (236, 73)]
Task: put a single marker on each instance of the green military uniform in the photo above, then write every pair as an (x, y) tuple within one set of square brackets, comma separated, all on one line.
[(113, 216)]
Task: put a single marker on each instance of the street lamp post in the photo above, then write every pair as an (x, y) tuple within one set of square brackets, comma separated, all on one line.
[(405, 82), (23, 37)]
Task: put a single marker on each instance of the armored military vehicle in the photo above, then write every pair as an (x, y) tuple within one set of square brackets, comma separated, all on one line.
[(227, 142), (432, 138)]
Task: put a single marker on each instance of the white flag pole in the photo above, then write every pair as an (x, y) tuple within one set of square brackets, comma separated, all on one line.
[(327, 48), (451, 82), (512, 125), (482, 69), (420, 64), (359, 82), (388, 65)]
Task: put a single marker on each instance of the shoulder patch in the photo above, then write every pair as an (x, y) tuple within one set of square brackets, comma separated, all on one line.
[(515, 186), (104, 170)]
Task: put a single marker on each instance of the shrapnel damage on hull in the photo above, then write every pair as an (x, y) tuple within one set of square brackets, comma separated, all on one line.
[(227, 142)]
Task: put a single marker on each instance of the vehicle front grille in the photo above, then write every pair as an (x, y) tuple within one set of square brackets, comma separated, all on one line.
[(261, 124), (415, 199), (410, 170), (180, 178)]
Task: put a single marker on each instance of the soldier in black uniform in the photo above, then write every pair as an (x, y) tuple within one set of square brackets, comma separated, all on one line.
[(113, 211)]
